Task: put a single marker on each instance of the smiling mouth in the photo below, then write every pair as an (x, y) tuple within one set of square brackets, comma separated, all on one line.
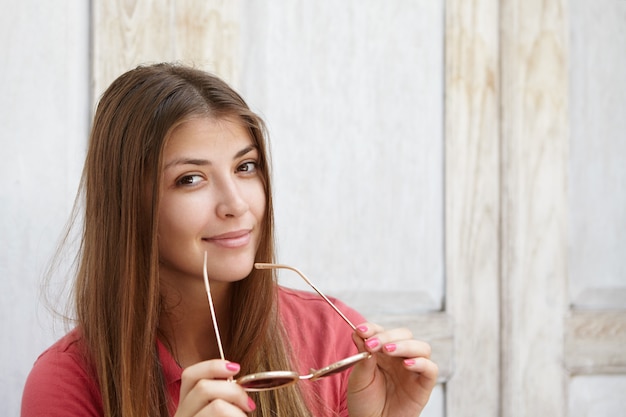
[(231, 240)]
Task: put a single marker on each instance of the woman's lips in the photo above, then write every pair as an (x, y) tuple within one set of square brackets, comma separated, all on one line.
[(234, 239)]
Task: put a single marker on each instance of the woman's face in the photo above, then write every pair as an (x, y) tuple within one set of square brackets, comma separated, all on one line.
[(212, 199)]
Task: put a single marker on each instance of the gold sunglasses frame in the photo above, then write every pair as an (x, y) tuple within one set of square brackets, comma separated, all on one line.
[(269, 380)]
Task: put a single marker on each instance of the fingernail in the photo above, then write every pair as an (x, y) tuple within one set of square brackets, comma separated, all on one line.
[(232, 366), (251, 404), (372, 343), (409, 362), (390, 347), (362, 329)]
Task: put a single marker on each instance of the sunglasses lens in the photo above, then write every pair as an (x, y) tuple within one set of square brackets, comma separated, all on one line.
[(264, 381)]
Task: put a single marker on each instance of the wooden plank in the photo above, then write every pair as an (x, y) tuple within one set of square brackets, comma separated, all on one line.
[(593, 297), (534, 120), (126, 33), (472, 205), (597, 174), (207, 35), (43, 130), (595, 342)]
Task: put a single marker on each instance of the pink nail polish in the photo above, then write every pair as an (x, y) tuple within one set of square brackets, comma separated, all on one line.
[(362, 329), (232, 366), (372, 343), (409, 362), (251, 404), (390, 347)]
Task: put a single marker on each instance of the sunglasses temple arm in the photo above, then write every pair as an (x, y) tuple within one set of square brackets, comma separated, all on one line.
[(208, 292), (272, 266)]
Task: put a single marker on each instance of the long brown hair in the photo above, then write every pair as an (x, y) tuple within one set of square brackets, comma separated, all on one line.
[(117, 291)]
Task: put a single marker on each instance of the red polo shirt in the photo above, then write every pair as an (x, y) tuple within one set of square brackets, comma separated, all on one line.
[(62, 382)]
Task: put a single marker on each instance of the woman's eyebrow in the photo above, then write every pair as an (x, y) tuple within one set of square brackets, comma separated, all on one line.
[(245, 151), (187, 161), (205, 162)]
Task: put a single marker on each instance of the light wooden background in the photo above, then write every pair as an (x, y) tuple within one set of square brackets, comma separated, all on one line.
[(455, 166)]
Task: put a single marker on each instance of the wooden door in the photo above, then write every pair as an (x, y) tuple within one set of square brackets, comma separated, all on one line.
[(430, 163), (558, 321)]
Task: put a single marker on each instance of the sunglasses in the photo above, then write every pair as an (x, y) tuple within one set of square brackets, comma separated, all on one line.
[(269, 380)]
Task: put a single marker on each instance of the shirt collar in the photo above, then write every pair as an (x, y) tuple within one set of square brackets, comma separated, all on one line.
[(171, 369)]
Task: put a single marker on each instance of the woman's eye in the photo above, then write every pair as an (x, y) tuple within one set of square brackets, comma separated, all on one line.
[(249, 166), (189, 180)]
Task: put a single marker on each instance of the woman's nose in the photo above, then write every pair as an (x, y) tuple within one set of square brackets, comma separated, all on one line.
[(231, 201)]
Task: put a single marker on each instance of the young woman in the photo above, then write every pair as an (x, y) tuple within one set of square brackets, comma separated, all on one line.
[(176, 183)]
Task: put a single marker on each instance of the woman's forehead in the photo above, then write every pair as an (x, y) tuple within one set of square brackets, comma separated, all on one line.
[(209, 135)]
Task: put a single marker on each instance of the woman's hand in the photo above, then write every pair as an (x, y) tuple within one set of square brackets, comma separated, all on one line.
[(397, 380), (206, 391)]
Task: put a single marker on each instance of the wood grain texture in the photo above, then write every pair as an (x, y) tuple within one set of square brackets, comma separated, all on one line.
[(207, 35), (472, 205), (127, 33), (534, 206), (595, 342)]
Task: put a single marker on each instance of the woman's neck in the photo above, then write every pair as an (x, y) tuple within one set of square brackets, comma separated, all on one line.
[(185, 322)]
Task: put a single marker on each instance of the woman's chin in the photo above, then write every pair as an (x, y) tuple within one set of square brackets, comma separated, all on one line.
[(230, 272)]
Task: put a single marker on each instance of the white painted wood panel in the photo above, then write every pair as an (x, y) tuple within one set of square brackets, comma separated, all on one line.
[(44, 111), (597, 167), (353, 95), (534, 117), (596, 330), (472, 206), (597, 396)]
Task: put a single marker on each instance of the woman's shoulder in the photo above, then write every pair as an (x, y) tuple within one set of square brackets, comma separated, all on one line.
[(61, 382), (67, 352)]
